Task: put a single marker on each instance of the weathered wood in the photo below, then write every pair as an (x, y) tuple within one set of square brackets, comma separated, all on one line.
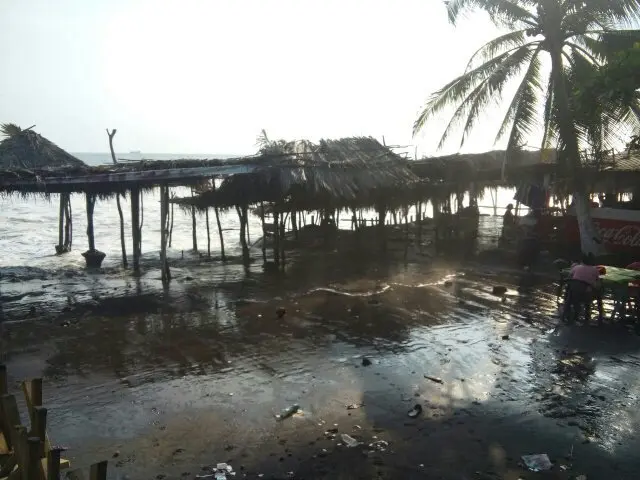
[(206, 212), (53, 464), (264, 234), (68, 223), (34, 466), (3, 379), (194, 230), (135, 227), (164, 217), (10, 418), (21, 450), (39, 427), (61, 224), (32, 390), (75, 475), (98, 471), (91, 203)]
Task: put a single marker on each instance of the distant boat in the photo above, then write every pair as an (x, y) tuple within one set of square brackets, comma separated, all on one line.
[(136, 152)]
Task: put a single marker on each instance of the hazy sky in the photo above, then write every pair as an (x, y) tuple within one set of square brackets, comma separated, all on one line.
[(205, 76)]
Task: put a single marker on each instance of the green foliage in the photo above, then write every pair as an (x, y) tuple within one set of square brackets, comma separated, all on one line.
[(585, 35)]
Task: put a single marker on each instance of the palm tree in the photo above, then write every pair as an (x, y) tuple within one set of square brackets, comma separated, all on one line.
[(541, 33)]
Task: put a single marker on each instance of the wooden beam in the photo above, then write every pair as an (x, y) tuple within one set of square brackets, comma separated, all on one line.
[(98, 471), (10, 418), (34, 466), (53, 464)]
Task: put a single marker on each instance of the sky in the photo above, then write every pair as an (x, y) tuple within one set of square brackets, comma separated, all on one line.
[(206, 76)]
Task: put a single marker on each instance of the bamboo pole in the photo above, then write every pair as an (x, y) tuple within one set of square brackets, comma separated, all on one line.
[(122, 241), (60, 246), (91, 202)]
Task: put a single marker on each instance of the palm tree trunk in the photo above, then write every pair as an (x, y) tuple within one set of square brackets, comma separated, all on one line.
[(590, 239)]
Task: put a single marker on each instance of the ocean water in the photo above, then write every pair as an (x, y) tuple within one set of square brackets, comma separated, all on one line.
[(30, 225)]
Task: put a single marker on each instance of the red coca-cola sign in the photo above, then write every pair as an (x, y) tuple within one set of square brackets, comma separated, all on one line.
[(626, 235)]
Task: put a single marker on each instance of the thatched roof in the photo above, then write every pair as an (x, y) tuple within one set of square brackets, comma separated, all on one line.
[(330, 173), (26, 149)]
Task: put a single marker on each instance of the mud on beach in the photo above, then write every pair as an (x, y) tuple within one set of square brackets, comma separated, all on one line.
[(166, 384)]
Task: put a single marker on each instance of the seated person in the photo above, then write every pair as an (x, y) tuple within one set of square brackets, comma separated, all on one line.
[(508, 219), (584, 285)]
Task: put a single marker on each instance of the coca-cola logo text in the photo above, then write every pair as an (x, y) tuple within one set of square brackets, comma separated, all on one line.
[(624, 236)]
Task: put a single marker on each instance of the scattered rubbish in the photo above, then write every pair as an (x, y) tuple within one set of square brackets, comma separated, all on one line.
[(287, 412), (581, 477), (505, 337), (280, 311), (499, 290), (448, 283), (365, 362), (355, 406), (220, 472), (357, 427), (537, 463), (349, 441), (415, 411), (434, 379), (379, 445)]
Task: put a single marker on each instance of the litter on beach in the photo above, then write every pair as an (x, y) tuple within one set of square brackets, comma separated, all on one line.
[(537, 463)]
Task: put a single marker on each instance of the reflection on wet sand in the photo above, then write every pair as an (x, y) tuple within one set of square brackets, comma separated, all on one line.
[(196, 376)]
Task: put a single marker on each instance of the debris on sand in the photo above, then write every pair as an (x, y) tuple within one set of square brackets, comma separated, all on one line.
[(499, 290), (349, 441), (434, 379), (505, 337), (355, 406), (365, 362), (280, 311), (415, 411), (576, 365), (288, 412), (537, 463)]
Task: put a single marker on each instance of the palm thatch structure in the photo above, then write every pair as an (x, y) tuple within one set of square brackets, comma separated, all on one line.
[(301, 175), (26, 149)]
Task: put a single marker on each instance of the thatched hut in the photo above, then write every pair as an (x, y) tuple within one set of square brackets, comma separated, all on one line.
[(26, 149), (304, 176)]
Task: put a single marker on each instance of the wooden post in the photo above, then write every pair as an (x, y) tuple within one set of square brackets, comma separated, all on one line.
[(135, 227), (264, 234), (164, 217), (3, 379), (33, 459), (171, 223), (194, 231), (242, 216), (206, 213), (91, 202), (123, 245), (217, 212), (10, 419), (53, 464), (60, 246), (282, 236), (68, 223), (276, 236), (98, 471)]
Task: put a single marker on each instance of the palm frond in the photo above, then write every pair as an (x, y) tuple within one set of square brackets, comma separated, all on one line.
[(489, 50), (10, 129), (502, 12), (456, 90), (524, 104)]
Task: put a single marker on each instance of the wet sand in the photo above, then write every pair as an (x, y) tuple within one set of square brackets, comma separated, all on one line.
[(196, 375)]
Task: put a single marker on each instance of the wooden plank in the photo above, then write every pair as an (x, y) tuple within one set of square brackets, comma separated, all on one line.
[(4, 447), (98, 471), (39, 428), (33, 470), (21, 447), (53, 464), (3, 379), (75, 475), (11, 418), (32, 390)]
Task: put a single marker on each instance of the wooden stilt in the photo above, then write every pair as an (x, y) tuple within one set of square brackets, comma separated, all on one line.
[(242, 215), (98, 471), (68, 223), (206, 212), (264, 234), (53, 464), (194, 231), (171, 224), (3, 379), (135, 227), (60, 246), (164, 224), (92, 256), (276, 237)]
